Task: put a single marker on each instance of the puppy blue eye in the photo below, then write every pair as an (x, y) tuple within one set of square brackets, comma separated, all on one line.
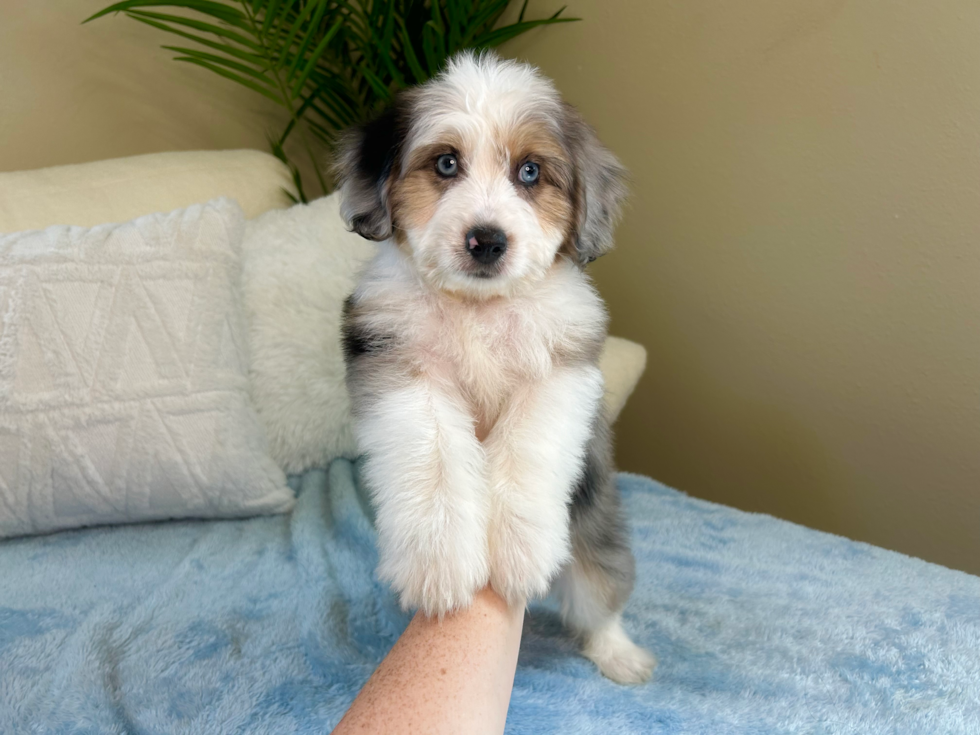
[(529, 172), (446, 165)]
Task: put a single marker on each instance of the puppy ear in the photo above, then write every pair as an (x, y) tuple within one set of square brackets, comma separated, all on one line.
[(600, 189), (366, 158)]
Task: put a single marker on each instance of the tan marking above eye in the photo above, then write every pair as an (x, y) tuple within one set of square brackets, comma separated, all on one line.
[(533, 138), (536, 141), (415, 196)]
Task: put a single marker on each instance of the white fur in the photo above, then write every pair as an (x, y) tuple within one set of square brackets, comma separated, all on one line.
[(486, 364), (299, 266), (488, 349), (617, 657), (533, 469), (477, 94), (426, 469)]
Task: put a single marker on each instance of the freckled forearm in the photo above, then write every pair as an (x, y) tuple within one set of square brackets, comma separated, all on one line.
[(444, 677)]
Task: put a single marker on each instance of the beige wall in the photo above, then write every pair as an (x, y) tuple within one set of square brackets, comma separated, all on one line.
[(802, 255), (71, 93)]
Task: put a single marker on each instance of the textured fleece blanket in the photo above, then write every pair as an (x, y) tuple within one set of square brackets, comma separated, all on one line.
[(271, 625)]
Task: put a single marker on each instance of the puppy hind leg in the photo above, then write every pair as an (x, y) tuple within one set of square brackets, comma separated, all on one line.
[(594, 587), (587, 609)]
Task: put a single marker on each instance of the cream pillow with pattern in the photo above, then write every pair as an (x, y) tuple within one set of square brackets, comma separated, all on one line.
[(123, 375)]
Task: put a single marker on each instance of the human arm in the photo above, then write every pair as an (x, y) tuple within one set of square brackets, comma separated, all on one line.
[(448, 676)]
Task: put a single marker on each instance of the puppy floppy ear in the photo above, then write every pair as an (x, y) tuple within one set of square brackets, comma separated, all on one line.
[(367, 158), (599, 192)]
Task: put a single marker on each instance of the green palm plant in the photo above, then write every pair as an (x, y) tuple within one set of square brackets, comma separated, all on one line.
[(329, 63)]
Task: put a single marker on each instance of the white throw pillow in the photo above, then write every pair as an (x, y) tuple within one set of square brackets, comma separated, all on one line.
[(300, 265), (123, 384)]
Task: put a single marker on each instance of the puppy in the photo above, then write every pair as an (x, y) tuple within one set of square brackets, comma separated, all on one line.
[(472, 344)]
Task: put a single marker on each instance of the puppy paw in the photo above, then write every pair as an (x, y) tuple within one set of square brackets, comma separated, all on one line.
[(437, 583), (525, 557), (617, 657)]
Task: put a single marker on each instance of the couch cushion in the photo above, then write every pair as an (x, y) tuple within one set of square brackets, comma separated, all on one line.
[(122, 189)]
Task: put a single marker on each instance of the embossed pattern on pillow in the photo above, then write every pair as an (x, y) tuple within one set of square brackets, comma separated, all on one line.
[(123, 363)]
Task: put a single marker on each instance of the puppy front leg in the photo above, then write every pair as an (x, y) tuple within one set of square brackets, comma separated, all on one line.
[(535, 455), (426, 470)]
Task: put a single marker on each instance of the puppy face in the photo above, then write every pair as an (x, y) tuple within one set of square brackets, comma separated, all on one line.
[(484, 176), (484, 195)]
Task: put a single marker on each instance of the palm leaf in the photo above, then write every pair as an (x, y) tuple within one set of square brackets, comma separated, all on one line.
[(270, 14), (380, 89), (221, 61), (223, 47), (498, 36), (432, 56), (385, 46), (196, 25), (217, 69), (410, 58), (221, 11), (485, 15), (294, 31), (308, 38), (315, 57)]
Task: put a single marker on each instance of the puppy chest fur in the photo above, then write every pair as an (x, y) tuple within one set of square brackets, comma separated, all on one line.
[(480, 350)]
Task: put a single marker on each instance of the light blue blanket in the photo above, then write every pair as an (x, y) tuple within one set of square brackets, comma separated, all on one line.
[(271, 625)]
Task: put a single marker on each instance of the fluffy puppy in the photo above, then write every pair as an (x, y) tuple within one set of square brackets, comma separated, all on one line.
[(472, 344)]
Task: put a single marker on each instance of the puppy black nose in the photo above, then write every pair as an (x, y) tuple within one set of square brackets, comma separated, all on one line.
[(486, 244)]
